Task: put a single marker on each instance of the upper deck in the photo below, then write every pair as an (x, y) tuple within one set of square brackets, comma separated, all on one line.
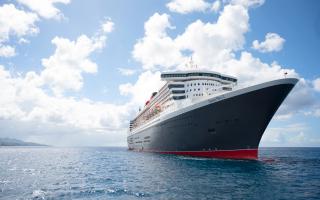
[(197, 74)]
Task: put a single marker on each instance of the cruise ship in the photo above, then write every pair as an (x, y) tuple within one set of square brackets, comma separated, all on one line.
[(205, 114)]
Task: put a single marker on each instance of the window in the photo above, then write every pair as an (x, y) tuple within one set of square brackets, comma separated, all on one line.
[(198, 83), (175, 86), (179, 97), (198, 89), (177, 91)]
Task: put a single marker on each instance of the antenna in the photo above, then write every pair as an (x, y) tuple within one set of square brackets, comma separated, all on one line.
[(191, 64)]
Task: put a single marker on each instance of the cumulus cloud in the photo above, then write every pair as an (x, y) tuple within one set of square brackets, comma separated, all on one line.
[(7, 51), (248, 3), (212, 46), (25, 98), (25, 102), (107, 26), (126, 71), (213, 43), (294, 103), (295, 134), (315, 112), (23, 41), (277, 134), (273, 42), (216, 6), (141, 91), (21, 23), (316, 84), (63, 70), (15, 22), (71, 58), (157, 48), (45, 8), (184, 7)]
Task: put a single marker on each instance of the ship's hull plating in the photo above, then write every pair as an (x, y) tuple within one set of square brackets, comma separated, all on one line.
[(229, 128)]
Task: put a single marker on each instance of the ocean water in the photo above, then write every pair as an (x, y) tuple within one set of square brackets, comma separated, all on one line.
[(115, 173)]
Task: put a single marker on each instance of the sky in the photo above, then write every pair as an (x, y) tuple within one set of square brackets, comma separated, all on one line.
[(73, 73)]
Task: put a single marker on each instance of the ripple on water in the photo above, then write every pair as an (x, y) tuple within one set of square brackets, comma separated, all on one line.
[(38, 194), (122, 191), (104, 173)]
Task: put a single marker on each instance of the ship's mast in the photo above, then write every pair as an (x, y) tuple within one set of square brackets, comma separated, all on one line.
[(191, 64)]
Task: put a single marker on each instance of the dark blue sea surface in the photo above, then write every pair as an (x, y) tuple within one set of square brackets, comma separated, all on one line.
[(115, 173)]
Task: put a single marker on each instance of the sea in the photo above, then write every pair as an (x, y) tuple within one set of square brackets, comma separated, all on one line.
[(116, 173)]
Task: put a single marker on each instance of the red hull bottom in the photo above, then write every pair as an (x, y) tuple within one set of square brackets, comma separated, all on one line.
[(244, 154)]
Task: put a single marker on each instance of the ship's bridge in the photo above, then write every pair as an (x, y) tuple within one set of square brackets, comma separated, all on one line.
[(194, 84), (192, 75)]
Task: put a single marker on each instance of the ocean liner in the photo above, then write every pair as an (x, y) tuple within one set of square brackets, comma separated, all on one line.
[(205, 114)]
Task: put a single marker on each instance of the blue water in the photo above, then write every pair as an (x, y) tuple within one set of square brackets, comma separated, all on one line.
[(115, 173)]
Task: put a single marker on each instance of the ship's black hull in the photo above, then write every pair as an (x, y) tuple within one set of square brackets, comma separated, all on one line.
[(230, 128)]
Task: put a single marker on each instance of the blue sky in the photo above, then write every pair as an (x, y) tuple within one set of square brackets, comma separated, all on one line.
[(112, 97)]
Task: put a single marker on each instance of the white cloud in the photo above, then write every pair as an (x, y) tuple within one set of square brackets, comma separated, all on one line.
[(216, 6), (45, 8), (273, 42), (157, 48), (23, 41), (296, 134), (26, 103), (126, 71), (63, 70), (277, 134), (251, 70), (316, 84), (301, 98), (107, 26), (7, 51), (141, 91), (187, 6), (314, 111), (71, 58), (248, 3), (15, 22), (25, 99), (212, 43)]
